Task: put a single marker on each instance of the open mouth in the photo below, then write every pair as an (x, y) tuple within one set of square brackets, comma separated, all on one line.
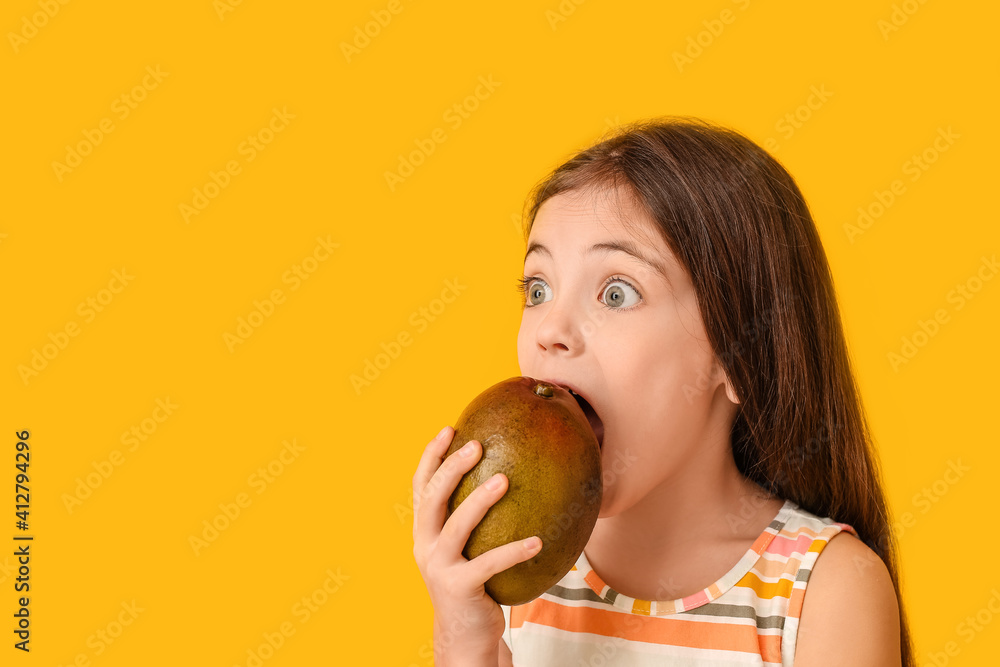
[(595, 422)]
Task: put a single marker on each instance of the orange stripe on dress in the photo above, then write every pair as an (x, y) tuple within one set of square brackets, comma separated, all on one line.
[(640, 607), (795, 603), (595, 581), (761, 542), (664, 630), (766, 590)]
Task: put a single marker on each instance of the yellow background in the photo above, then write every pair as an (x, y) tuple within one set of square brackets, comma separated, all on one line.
[(563, 75)]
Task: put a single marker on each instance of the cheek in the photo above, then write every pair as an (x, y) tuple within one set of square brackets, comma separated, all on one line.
[(664, 366), (525, 335), (655, 409), (642, 376)]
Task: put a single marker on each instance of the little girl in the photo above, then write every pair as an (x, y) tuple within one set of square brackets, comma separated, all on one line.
[(675, 280)]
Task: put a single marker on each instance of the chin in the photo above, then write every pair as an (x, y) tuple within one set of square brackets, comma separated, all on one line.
[(609, 507)]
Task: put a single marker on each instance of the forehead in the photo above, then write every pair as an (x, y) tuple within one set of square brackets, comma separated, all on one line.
[(602, 208), (572, 222)]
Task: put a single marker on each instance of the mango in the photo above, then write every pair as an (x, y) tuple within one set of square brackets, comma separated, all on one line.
[(536, 434)]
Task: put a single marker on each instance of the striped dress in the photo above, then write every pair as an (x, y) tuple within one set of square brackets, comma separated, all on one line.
[(748, 617)]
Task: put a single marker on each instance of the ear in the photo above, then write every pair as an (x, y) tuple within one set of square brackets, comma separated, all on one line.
[(730, 390)]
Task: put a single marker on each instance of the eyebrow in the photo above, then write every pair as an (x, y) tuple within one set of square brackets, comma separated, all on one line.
[(608, 247)]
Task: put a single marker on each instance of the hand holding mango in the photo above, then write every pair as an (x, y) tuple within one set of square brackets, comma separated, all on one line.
[(536, 433)]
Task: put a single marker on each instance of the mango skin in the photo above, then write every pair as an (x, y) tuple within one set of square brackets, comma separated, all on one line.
[(550, 455)]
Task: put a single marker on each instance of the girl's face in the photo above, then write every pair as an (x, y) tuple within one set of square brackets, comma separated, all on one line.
[(627, 335)]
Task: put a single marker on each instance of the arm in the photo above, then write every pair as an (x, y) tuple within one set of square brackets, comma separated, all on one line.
[(850, 614), (467, 621)]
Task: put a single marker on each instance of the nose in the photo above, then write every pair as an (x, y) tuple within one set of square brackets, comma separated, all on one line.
[(559, 331)]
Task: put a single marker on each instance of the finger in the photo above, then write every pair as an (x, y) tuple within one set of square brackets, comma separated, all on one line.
[(433, 500), (498, 559), (430, 460), (467, 516)]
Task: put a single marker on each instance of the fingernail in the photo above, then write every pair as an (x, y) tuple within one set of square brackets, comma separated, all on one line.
[(532, 543), (468, 449), (441, 434), (494, 482)]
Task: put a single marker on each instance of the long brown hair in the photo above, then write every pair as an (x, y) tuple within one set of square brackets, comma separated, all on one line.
[(737, 222)]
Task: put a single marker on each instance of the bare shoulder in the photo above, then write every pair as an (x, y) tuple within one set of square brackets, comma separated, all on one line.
[(850, 615)]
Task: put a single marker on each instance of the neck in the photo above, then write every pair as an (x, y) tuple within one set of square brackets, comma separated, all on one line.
[(702, 501), (687, 531)]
